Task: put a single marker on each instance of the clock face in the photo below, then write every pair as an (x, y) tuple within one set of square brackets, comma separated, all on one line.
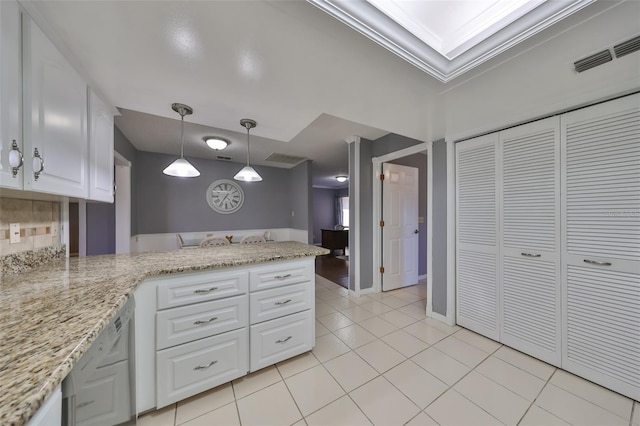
[(225, 196)]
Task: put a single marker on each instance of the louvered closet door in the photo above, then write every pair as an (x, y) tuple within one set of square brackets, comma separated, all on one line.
[(601, 244), (530, 244), (477, 235)]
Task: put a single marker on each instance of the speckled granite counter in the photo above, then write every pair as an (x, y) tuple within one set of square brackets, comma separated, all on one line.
[(51, 315)]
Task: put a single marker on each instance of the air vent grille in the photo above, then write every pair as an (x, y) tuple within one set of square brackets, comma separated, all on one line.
[(222, 157), (627, 47), (277, 157), (593, 61)]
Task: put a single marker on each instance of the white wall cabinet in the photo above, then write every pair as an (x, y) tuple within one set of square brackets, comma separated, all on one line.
[(100, 150)]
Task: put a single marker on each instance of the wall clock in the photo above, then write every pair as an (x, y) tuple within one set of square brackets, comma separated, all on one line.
[(225, 196)]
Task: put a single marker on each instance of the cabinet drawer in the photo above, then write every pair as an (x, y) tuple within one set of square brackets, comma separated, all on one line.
[(280, 274), (188, 323), (189, 369), (184, 289), (276, 302), (279, 339)]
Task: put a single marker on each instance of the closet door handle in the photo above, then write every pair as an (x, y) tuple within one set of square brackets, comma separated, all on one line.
[(531, 254), (596, 262)]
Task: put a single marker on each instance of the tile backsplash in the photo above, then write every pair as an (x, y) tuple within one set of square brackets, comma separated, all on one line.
[(39, 224)]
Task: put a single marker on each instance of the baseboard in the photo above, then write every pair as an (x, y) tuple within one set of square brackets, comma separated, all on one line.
[(422, 277), (362, 292)]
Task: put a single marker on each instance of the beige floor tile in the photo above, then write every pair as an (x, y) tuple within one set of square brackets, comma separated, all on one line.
[(513, 378), (398, 319), (463, 352), (376, 307), (478, 341), (441, 365), (536, 416), (422, 420), (325, 294), (227, 416), (343, 412), (339, 290), (609, 400), (341, 303), (394, 302), (425, 332), (409, 297), (375, 296), (350, 371), (323, 308), (354, 336), (635, 419), (321, 330), (378, 327), (335, 321), (380, 356), (255, 381), (164, 417), (358, 300), (534, 366), (414, 310), (270, 406), (313, 389), (445, 328), (404, 343), (328, 347), (413, 381), (498, 401), (203, 403), (297, 364), (574, 409), (357, 314), (300, 422), (455, 410), (383, 404)]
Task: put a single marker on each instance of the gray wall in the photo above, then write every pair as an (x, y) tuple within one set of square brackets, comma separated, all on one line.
[(101, 228), (365, 215), (123, 147), (440, 217), (301, 198), (324, 212)]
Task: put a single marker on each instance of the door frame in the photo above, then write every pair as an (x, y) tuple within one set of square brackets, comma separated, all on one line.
[(122, 199), (377, 207)]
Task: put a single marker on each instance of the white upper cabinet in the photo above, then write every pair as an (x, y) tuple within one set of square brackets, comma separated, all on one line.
[(100, 150), (11, 170), (55, 118)]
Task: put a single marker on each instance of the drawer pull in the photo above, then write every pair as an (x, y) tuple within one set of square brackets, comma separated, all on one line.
[(282, 277), (204, 367), (531, 254), (285, 340), (595, 262), (206, 290), (283, 303), (200, 322), (84, 404)]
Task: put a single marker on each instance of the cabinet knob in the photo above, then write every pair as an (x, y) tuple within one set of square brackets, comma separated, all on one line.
[(16, 159), (37, 164)]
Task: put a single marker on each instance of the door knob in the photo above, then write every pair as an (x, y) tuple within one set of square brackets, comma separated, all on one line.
[(416, 231)]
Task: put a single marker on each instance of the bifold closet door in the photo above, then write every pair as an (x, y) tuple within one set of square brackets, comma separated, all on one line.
[(477, 235), (601, 244), (530, 243)]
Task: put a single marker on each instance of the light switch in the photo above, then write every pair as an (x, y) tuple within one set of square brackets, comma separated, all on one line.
[(54, 229), (14, 233)]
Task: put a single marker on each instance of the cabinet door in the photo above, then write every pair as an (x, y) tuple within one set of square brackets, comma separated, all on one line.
[(100, 150), (601, 244), (55, 117), (530, 244), (10, 95), (477, 235)]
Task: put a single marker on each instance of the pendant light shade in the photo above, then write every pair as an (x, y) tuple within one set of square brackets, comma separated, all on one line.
[(181, 167), (248, 173)]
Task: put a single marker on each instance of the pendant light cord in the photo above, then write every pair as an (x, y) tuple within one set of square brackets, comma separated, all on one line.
[(248, 145), (182, 134)]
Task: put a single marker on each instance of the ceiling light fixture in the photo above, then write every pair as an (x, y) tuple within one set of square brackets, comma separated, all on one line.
[(247, 173), (215, 142), (181, 167), (341, 178)]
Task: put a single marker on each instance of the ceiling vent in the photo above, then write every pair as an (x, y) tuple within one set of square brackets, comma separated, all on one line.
[(627, 47), (277, 157), (593, 61)]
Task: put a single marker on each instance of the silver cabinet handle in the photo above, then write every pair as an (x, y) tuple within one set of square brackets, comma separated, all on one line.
[(37, 163), (282, 277), (16, 160), (285, 340), (531, 254), (283, 303), (199, 322), (84, 404), (204, 367), (595, 262), (206, 290)]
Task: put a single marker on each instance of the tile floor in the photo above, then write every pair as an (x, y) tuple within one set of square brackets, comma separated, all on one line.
[(378, 360)]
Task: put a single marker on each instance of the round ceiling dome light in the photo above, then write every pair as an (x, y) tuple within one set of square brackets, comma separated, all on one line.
[(216, 143), (341, 178)]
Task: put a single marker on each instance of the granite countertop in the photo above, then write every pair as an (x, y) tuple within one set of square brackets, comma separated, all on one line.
[(50, 315)]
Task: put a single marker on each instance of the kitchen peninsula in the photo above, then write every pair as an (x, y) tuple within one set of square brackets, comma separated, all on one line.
[(51, 315)]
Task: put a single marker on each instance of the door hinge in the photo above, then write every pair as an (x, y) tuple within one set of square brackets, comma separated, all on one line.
[(382, 177), (382, 269), (382, 223)]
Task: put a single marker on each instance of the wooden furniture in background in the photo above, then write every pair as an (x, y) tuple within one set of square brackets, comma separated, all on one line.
[(335, 240)]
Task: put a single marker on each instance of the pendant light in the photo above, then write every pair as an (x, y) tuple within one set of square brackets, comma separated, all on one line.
[(247, 173), (181, 167)]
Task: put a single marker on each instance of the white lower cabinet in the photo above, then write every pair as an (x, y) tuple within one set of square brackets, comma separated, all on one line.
[(104, 398)]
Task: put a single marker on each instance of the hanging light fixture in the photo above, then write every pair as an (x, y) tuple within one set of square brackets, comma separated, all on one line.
[(181, 167), (247, 173)]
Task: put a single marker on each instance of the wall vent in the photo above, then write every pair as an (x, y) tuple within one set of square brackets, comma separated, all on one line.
[(277, 157), (593, 61), (627, 47), (222, 157)]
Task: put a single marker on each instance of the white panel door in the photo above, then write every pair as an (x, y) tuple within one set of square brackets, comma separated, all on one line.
[(100, 150), (55, 117), (530, 244), (477, 238), (601, 244), (400, 231)]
